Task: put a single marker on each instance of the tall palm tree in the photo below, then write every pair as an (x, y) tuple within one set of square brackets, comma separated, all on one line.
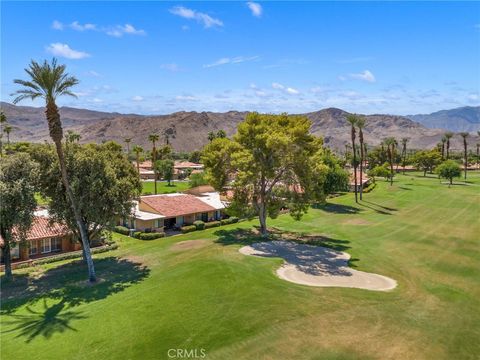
[(7, 129), (365, 153), (464, 135), (404, 152), (127, 141), (137, 149), (390, 143), (3, 120), (361, 125), (448, 136), (478, 155), (352, 120), (48, 81), (154, 138), (443, 140)]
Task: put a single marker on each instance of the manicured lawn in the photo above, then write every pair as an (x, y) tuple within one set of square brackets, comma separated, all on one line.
[(163, 188), (153, 297)]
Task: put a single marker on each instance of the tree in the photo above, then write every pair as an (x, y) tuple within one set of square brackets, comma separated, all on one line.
[(7, 129), (49, 81), (267, 165), (221, 134), (154, 138), (352, 120), (197, 179), (361, 125), (102, 179), (165, 169), (211, 136), (17, 202), (448, 170), (478, 155), (448, 135), (3, 120), (390, 143), (426, 160), (137, 149), (443, 140), (404, 152), (195, 156), (72, 136), (380, 171), (464, 135), (128, 141)]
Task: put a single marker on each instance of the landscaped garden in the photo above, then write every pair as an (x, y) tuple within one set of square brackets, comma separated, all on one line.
[(148, 187), (196, 291)]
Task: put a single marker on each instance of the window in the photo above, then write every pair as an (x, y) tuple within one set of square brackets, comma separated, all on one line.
[(33, 247), (45, 246), (15, 252), (158, 223), (56, 244)]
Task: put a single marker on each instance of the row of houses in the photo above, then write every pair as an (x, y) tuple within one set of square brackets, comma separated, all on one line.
[(180, 169)]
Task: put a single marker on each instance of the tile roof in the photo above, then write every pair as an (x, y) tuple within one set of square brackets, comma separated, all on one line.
[(41, 229), (187, 164), (170, 205), (147, 164)]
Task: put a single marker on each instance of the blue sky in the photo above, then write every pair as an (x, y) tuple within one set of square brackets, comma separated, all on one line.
[(161, 57)]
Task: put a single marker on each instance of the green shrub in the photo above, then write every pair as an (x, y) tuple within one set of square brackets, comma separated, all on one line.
[(121, 230), (233, 219), (199, 224), (212, 224), (150, 236), (136, 234), (188, 228)]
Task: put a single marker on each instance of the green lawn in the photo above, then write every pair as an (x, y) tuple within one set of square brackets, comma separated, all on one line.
[(152, 297), (163, 188)]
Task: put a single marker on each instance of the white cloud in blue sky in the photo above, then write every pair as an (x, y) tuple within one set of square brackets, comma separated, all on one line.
[(112, 30), (65, 51), (365, 75), (206, 20), (255, 8), (234, 60)]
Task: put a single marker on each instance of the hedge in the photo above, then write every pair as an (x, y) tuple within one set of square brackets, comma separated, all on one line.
[(188, 228), (199, 224), (212, 224), (150, 236), (121, 230)]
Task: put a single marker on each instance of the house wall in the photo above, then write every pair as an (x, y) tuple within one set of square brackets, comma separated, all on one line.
[(149, 224)]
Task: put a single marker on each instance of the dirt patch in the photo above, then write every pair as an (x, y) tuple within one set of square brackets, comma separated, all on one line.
[(357, 222), (189, 245)]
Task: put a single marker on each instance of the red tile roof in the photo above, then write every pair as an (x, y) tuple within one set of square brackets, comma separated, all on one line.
[(176, 205), (42, 229), (145, 165), (187, 164)]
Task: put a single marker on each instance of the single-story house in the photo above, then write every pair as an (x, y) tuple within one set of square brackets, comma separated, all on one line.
[(364, 184), (167, 211), (43, 239)]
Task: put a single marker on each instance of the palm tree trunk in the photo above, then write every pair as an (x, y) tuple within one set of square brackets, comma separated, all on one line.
[(390, 157), (56, 133), (448, 148), (154, 158), (138, 163), (465, 156), (361, 163), (354, 164)]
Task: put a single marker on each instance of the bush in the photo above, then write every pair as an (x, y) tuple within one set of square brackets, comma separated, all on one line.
[(188, 228), (136, 234), (369, 188), (199, 224), (212, 224), (230, 220), (151, 236), (121, 230), (233, 219)]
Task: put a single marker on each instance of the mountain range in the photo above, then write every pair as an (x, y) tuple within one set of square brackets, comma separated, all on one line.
[(466, 118), (188, 131)]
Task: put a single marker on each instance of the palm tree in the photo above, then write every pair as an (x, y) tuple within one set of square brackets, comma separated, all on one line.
[(211, 136), (443, 140), (154, 138), (127, 141), (478, 155), (352, 120), (390, 143), (365, 153), (137, 149), (361, 125), (3, 120), (448, 136), (404, 152), (7, 129), (464, 135), (49, 81)]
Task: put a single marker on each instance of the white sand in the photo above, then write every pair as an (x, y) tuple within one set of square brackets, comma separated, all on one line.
[(317, 266)]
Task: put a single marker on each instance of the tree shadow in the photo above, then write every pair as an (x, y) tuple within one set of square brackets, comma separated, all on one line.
[(339, 208), (67, 283), (43, 323), (381, 206), (404, 188)]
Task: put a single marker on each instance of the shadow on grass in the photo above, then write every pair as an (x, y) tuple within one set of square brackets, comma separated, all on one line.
[(404, 188), (67, 283), (250, 236), (380, 206), (339, 208)]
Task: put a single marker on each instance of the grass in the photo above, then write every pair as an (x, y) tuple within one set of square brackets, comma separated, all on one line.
[(152, 297), (163, 188)]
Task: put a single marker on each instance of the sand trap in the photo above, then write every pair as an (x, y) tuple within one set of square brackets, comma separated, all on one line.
[(317, 266), (189, 245)]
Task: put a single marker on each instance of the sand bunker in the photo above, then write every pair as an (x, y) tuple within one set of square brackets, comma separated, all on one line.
[(317, 266), (189, 245)]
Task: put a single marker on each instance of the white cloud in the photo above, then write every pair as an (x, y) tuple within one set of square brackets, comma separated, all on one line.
[(93, 73), (137, 98), (365, 75), (255, 8), (120, 30), (63, 50), (473, 97), (206, 20), (286, 89), (170, 67), (57, 25), (186, 98), (235, 60), (79, 27)]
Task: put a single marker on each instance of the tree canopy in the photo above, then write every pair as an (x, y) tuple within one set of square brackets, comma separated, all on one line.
[(448, 170)]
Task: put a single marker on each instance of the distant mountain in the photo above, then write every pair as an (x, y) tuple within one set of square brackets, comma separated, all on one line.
[(188, 131), (466, 118)]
